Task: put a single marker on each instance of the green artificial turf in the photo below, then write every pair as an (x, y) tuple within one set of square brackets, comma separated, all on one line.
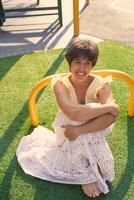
[(18, 75)]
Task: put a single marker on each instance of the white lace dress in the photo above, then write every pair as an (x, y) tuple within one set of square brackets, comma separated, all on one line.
[(53, 157)]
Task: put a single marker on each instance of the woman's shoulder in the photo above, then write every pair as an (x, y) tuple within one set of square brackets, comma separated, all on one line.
[(102, 80), (60, 79), (97, 83)]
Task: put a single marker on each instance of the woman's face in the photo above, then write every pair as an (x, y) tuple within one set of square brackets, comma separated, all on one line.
[(80, 68)]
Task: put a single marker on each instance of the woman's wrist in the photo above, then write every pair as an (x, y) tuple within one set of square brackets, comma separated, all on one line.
[(77, 130)]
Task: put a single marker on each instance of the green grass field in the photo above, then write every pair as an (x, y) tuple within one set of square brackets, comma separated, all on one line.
[(18, 75)]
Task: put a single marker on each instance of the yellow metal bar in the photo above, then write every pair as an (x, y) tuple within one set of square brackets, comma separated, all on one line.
[(32, 100), (115, 73), (76, 17)]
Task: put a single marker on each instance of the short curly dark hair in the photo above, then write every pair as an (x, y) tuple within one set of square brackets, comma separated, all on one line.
[(79, 47)]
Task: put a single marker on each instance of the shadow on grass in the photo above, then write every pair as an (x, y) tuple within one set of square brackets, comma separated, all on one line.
[(24, 45), (18, 122), (47, 190), (52, 191), (125, 182), (6, 64), (11, 133), (123, 186), (6, 182)]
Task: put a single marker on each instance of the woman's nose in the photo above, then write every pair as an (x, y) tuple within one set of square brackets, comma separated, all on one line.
[(82, 65)]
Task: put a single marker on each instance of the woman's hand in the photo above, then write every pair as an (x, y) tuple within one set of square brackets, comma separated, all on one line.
[(71, 132)]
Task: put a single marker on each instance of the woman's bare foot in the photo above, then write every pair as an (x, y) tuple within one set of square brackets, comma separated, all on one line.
[(91, 190)]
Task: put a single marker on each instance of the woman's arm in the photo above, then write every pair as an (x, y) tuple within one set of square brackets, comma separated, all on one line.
[(79, 112), (105, 94), (97, 124), (106, 97)]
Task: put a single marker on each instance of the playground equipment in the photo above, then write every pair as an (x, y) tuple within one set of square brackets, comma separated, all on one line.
[(15, 12), (76, 16), (47, 80)]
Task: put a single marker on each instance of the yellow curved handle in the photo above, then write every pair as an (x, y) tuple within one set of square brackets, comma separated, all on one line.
[(41, 84), (32, 99)]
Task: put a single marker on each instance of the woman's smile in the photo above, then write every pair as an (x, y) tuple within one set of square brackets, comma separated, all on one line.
[(81, 74)]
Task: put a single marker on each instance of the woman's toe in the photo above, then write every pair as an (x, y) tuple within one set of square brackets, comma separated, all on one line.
[(90, 194)]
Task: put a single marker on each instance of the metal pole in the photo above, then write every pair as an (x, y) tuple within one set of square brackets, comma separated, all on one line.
[(38, 2), (76, 17), (2, 14), (60, 11), (87, 2)]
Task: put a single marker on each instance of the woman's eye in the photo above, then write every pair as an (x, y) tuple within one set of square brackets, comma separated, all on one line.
[(87, 63), (80, 62)]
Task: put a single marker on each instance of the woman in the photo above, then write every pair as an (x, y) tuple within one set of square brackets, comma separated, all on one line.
[(78, 152)]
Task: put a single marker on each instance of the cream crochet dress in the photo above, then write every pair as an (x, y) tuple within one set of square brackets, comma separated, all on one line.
[(53, 157)]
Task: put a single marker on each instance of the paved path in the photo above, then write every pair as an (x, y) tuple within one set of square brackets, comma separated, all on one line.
[(23, 35), (104, 19), (109, 19)]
